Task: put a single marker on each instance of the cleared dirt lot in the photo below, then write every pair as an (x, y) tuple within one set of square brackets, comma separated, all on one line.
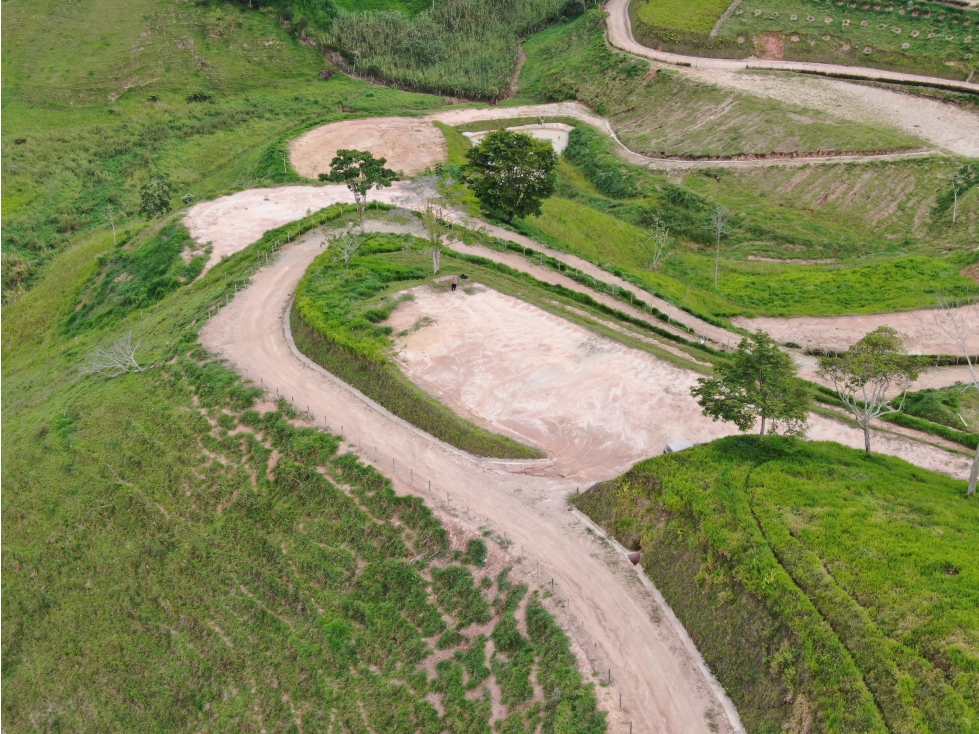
[(922, 336), (410, 144), (595, 405)]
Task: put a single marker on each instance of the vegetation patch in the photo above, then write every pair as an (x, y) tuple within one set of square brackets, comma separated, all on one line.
[(806, 574), (463, 48), (650, 110)]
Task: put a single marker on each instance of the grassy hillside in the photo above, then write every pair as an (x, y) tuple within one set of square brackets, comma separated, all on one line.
[(102, 105), (605, 211), (465, 48), (666, 113), (181, 554), (827, 591)]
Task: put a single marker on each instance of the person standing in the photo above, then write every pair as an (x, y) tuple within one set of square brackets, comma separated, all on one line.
[(455, 282)]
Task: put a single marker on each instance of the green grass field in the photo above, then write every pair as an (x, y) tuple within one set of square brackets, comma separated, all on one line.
[(691, 17), (926, 38), (820, 585), (102, 105), (651, 114)]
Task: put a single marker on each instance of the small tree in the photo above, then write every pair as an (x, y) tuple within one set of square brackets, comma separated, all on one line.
[(344, 246), (661, 242), (361, 172), (759, 382), (511, 173), (154, 197), (959, 325), (720, 218), (865, 374), (437, 229)]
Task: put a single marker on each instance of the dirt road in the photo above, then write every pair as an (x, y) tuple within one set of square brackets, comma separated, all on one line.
[(945, 126), (617, 622), (231, 223), (661, 681)]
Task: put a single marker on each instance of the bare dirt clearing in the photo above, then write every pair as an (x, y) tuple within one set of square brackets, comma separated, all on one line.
[(595, 405), (410, 144), (838, 332)]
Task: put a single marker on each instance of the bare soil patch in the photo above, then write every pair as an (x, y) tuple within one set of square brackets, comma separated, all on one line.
[(409, 144), (595, 405), (922, 336)]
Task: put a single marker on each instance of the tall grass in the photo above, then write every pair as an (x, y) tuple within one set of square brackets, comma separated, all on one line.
[(463, 48)]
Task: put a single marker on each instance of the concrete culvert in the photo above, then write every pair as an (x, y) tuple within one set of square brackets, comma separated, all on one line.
[(634, 557)]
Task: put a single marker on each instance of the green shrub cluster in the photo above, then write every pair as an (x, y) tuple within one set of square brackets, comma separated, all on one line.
[(588, 150), (818, 568), (136, 275)]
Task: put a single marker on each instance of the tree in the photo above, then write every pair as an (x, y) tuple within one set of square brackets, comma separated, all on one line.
[(661, 241), (865, 374), (344, 245), (959, 325), (437, 229), (759, 382), (361, 172), (155, 196), (719, 220), (511, 173)]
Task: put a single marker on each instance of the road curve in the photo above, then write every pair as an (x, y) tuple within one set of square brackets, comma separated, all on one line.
[(620, 36), (657, 671)]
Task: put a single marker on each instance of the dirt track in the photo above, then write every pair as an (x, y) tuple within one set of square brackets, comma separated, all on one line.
[(945, 126), (653, 666), (662, 685), (419, 145), (231, 223)]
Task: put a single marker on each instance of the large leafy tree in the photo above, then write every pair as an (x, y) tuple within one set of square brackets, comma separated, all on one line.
[(868, 373), (511, 173), (759, 382), (154, 196), (361, 172)]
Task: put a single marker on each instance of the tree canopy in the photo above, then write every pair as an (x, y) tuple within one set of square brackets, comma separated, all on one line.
[(511, 173), (361, 172), (866, 374), (759, 382)]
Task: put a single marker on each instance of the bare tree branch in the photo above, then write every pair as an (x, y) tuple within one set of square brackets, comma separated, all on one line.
[(113, 361)]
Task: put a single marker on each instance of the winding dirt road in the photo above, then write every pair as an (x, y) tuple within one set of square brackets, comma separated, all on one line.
[(661, 680), (945, 126)]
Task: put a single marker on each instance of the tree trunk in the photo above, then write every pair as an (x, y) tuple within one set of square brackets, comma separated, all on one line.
[(762, 434), (717, 261), (973, 475), (866, 437), (510, 221)]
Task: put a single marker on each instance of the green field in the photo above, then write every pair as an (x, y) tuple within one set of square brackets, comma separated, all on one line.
[(820, 585), (691, 17), (651, 111), (926, 37)]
